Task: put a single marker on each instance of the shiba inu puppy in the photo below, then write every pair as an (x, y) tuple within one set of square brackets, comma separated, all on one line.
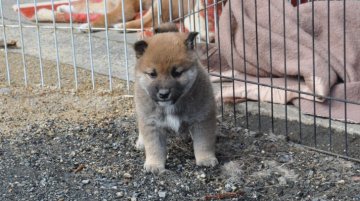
[(173, 93)]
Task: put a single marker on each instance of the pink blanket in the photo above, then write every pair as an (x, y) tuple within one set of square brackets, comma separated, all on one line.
[(316, 73)]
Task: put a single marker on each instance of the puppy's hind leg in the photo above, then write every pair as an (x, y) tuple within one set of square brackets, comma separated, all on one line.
[(204, 139), (136, 24)]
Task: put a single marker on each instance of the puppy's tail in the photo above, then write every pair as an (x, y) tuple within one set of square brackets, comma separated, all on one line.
[(166, 27)]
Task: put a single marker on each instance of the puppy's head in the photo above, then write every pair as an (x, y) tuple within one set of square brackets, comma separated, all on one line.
[(166, 65)]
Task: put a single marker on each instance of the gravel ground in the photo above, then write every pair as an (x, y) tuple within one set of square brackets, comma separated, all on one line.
[(79, 145)]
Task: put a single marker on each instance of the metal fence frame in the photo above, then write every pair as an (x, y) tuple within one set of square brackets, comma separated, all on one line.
[(71, 27)]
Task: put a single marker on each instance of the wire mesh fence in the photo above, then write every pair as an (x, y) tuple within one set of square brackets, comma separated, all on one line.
[(287, 67)]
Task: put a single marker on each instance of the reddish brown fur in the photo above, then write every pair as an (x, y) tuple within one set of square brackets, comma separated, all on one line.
[(148, 20), (131, 8), (164, 51)]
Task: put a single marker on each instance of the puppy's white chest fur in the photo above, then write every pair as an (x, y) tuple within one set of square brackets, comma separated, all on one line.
[(170, 120)]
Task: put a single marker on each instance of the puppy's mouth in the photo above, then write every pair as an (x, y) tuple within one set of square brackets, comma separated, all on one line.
[(165, 102)]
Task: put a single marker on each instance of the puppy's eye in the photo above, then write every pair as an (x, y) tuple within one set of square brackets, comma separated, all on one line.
[(152, 74), (176, 73)]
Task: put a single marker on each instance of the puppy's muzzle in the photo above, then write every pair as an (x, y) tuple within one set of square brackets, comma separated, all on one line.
[(164, 94)]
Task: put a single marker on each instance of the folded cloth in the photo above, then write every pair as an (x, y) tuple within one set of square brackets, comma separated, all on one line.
[(288, 61), (198, 20)]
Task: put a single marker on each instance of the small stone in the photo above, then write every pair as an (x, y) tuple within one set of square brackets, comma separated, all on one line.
[(86, 181), (127, 175), (310, 173), (162, 194), (43, 182), (341, 182), (21, 184), (282, 181), (284, 158), (356, 178), (5, 91), (115, 146), (252, 133), (135, 195), (203, 175), (119, 194), (237, 129), (135, 184), (317, 199), (329, 158), (228, 187)]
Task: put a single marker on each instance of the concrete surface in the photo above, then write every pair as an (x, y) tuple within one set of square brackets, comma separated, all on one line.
[(81, 40), (293, 115)]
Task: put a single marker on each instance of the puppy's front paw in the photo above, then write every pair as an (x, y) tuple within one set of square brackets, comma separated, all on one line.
[(119, 26), (208, 162), (139, 145), (85, 28), (65, 9), (154, 168)]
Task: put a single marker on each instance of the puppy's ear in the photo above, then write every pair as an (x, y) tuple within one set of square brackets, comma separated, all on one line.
[(166, 27), (190, 40), (140, 48)]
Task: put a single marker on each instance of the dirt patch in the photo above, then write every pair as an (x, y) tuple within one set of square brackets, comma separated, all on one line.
[(78, 145), (22, 106)]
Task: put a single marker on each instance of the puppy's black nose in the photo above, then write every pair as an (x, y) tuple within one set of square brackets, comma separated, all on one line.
[(164, 94)]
